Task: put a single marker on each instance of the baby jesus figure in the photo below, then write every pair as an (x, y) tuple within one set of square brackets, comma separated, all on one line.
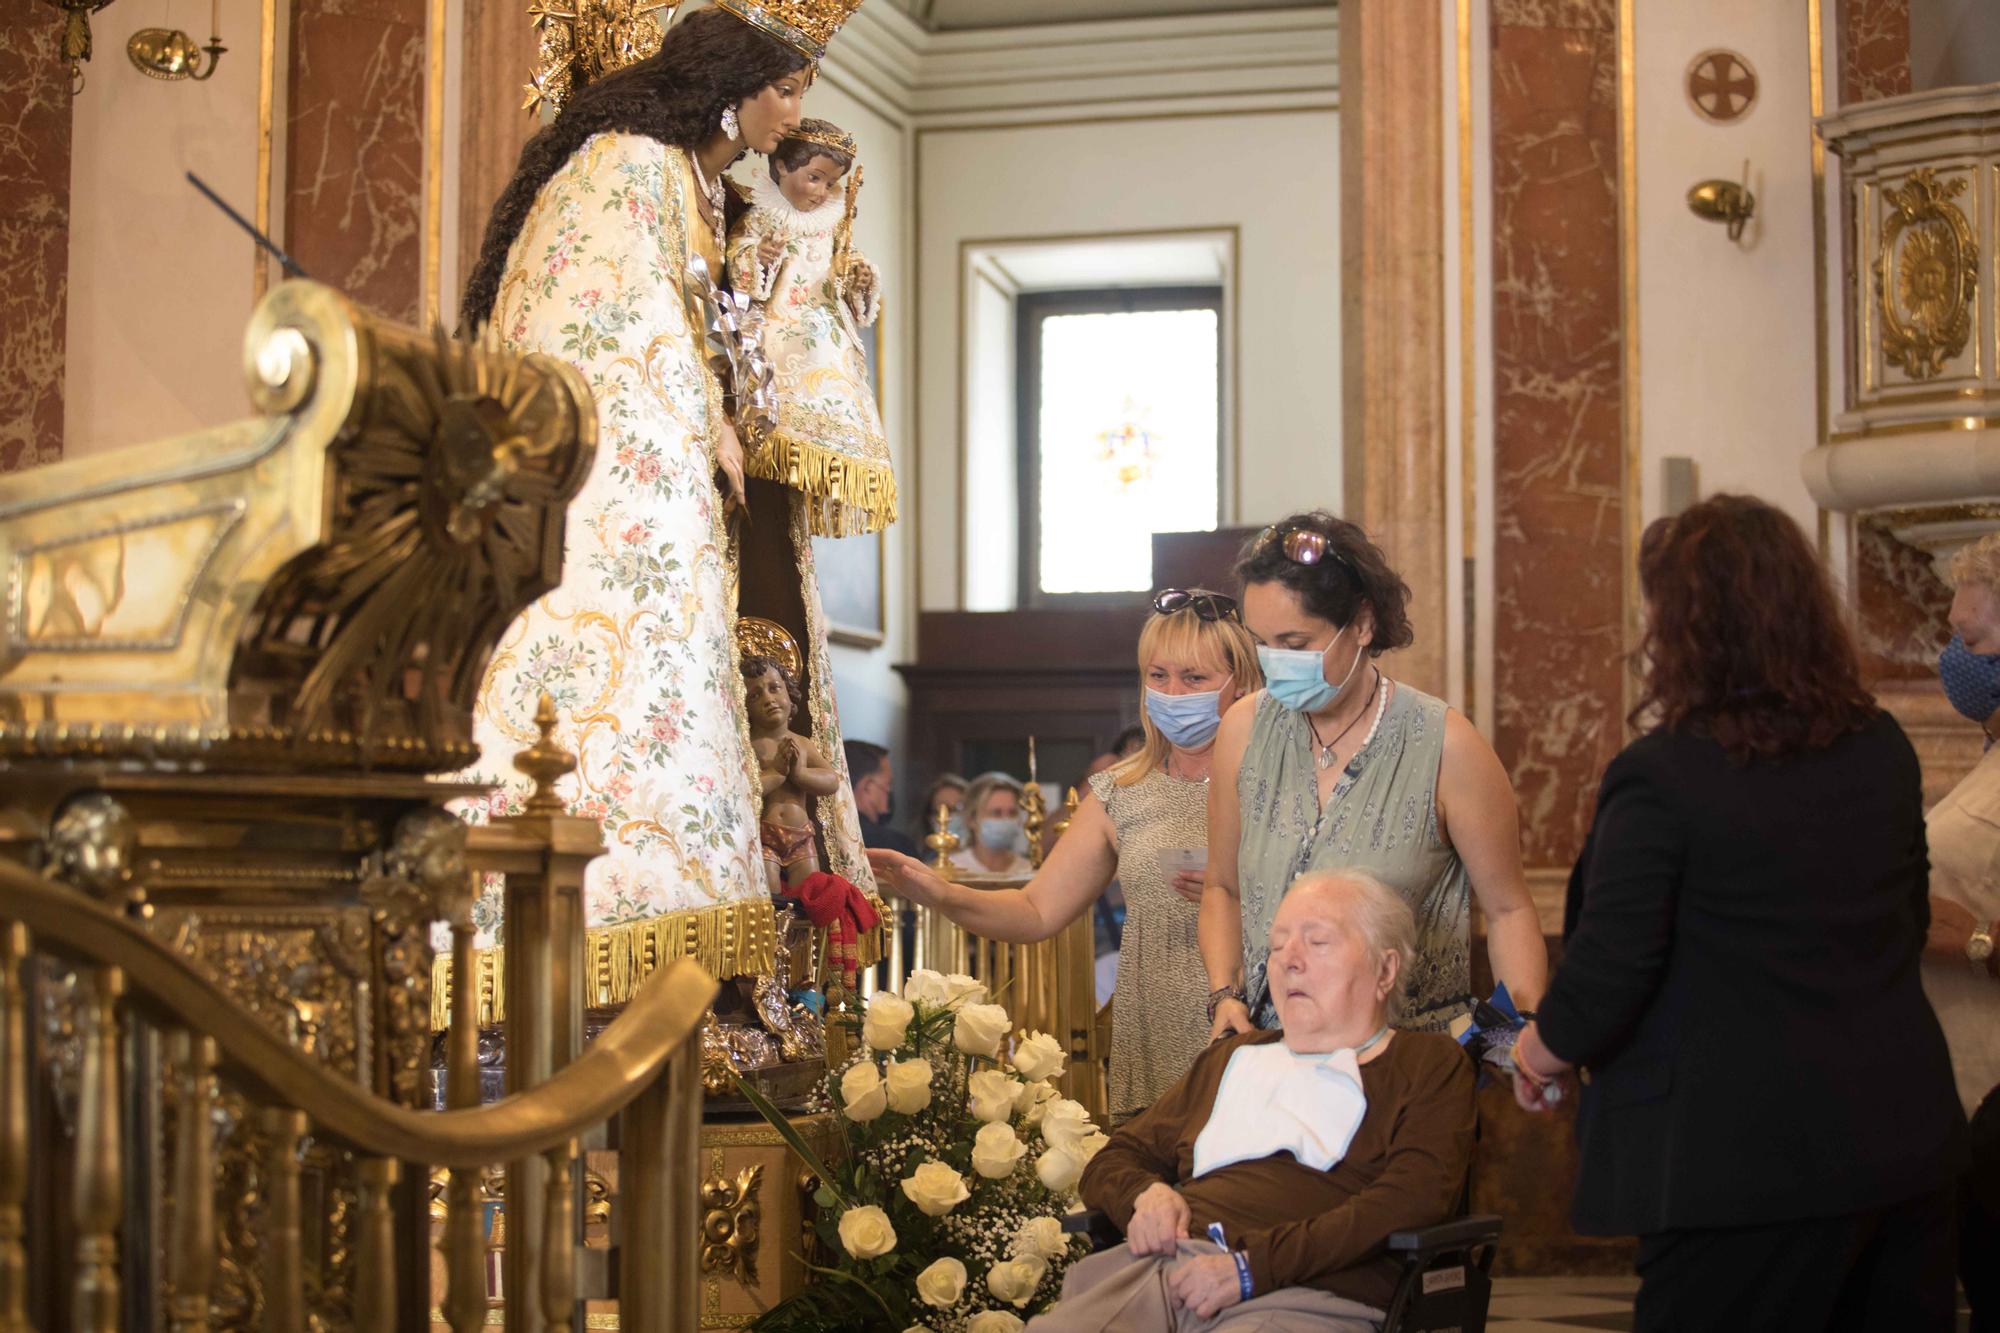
[(792, 769), (792, 254)]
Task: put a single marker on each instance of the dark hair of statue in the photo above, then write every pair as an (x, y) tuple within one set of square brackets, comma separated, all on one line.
[(708, 62), (797, 154), (754, 666), (1352, 574), (1744, 641)]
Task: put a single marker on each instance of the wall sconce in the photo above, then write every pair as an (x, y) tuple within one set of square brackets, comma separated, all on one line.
[(169, 53), (76, 36), (1726, 202)]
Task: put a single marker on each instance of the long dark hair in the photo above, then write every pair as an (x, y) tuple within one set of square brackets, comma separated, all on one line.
[(709, 61), (1744, 641)]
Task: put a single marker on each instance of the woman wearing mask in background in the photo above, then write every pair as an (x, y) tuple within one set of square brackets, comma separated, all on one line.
[(1145, 822), (1334, 766), (1961, 967), (993, 834), (947, 790)]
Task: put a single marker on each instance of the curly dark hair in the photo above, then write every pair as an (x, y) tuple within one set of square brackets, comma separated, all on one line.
[(795, 153), (708, 61), (1354, 573), (1744, 640), (754, 666)]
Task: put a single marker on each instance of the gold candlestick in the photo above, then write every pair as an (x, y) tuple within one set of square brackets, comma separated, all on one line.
[(1037, 811), (942, 842)]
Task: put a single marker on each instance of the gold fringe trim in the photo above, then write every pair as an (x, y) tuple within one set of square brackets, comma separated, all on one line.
[(739, 939), (845, 496)]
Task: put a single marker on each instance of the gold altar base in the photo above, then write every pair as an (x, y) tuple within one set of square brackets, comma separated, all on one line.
[(755, 1208)]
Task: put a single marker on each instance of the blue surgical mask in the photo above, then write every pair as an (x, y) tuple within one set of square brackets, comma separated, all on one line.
[(999, 835), (1971, 680), (1186, 720), (1296, 677)]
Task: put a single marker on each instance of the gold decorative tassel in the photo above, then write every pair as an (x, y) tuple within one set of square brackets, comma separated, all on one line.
[(845, 496)]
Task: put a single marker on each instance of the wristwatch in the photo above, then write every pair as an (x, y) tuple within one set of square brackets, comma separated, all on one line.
[(1979, 946)]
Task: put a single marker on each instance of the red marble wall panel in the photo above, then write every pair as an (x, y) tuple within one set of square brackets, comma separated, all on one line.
[(1874, 48), (354, 152), (1558, 445), (34, 234)]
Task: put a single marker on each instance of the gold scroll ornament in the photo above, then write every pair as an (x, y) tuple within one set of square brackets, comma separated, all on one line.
[(1926, 275)]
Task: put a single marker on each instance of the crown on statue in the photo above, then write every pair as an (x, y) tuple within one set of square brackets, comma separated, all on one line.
[(804, 25), (826, 134)]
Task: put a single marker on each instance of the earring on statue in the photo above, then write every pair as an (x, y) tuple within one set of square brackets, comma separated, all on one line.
[(732, 128)]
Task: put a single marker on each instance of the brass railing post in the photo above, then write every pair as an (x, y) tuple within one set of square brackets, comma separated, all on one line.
[(284, 1130), (13, 1130), (659, 1263), (191, 1248), (375, 1245), (559, 1242), (97, 1195), (464, 1245)]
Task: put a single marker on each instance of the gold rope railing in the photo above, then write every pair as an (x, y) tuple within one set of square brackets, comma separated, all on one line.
[(644, 1069)]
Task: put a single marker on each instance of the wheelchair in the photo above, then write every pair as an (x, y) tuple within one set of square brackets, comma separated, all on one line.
[(1446, 1282)]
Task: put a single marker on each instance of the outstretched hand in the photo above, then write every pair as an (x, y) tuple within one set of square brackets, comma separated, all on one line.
[(905, 876)]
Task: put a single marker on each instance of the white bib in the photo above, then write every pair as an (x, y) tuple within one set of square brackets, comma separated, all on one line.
[(1274, 1100)]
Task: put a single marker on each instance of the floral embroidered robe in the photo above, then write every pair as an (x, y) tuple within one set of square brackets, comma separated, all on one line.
[(637, 646)]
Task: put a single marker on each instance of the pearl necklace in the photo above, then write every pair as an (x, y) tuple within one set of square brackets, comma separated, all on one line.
[(711, 189), (1327, 753)]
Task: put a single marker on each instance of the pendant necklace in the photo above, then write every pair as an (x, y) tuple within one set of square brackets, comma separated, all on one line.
[(1326, 754), (711, 190)]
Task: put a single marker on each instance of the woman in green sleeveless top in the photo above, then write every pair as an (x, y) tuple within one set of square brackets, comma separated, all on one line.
[(1334, 766)]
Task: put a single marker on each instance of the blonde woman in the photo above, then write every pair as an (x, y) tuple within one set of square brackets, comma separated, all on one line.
[(1146, 823)]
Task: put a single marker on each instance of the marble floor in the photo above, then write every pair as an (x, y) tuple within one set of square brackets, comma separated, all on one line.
[(1564, 1304)]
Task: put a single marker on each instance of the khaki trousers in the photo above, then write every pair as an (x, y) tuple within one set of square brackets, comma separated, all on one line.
[(1115, 1291)]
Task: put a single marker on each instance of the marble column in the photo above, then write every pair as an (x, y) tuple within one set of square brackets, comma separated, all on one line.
[(354, 150), (1558, 442), (34, 234), (1392, 317)]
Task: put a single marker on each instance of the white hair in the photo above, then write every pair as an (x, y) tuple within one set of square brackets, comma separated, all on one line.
[(1978, 562), (1385, 921)]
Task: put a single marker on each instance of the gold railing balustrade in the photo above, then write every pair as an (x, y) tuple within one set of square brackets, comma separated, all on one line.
[(644, 1070)]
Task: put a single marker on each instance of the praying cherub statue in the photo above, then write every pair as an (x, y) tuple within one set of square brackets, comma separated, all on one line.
[(792, 773), (793, 255)]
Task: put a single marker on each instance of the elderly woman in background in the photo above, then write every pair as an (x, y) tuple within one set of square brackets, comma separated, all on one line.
[(1304, 1148), (1961, 965), (993, 828), (1145, 821), (1334, 766), (1770, 1106)]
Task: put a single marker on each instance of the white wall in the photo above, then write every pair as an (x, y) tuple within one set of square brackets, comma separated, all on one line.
[(1275, 176), (159, 281), (1953, 43), (1726, 330)]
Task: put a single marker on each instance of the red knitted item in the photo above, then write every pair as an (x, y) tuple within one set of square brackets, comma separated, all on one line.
[(844, 911)]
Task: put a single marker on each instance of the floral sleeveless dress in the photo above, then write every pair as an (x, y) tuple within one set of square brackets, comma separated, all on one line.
[(1380, 819)]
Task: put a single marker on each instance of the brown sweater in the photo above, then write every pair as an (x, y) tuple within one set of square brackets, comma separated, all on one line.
[(1301, 1227)]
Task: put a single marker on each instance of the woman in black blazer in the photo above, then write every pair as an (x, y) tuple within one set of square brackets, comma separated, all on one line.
[(1769, 1103)]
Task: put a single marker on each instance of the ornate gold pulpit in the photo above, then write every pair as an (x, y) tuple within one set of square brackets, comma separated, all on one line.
[(230, 666)]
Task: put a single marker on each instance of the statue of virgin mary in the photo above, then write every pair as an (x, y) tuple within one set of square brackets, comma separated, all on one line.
[(591, 255)]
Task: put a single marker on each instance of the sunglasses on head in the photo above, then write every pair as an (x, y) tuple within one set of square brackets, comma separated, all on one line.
[(1304, 546), (1206, 605)]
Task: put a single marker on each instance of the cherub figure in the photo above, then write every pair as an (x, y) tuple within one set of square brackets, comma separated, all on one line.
[(792, 253), (792, 772)]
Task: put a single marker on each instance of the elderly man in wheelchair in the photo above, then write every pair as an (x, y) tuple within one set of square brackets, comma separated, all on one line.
[(1267, 1190)]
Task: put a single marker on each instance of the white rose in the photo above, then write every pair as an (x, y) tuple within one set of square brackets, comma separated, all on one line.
[(888, 1019), (991, 1095), (862, 1095), (1090, 1145), (865, 1232), (1034, 1100), (942, 1283), (1058, 1170), (927, 987), (1064, 1122), (995, 1150), (909, 1085), (1015, 1280), (1038, 1056), (1042, 1238), (935, 1189), (979, 1029), (959, 989), (994, 1321)]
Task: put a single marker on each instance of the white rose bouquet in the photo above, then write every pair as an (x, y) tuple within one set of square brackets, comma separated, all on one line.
[(944, 1214)]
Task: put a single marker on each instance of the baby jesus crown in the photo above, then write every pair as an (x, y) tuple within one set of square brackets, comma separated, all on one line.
[(826, 134), (804, 25)]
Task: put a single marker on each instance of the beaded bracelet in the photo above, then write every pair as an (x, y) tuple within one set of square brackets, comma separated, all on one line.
[(1243, 1283)]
